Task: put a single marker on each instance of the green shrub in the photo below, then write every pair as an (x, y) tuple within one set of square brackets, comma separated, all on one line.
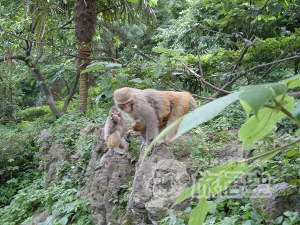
[(30, 114)]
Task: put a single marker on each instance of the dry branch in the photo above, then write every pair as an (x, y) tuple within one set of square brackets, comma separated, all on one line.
[(204, 81)]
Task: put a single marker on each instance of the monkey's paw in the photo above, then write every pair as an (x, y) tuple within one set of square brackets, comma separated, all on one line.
[(126, 137), (115, 118), (159, 143)]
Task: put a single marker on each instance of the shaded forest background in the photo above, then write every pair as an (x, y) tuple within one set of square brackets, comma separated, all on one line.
[(60, 62)]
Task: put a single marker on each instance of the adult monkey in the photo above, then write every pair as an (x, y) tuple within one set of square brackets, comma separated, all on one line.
[(116, 130), (136, 105), (168, 106)]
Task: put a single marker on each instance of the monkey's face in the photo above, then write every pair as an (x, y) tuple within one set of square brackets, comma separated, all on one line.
[(115, 115), (126, 107)]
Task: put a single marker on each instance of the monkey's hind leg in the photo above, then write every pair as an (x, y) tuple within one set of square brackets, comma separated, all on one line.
[(175, 114)]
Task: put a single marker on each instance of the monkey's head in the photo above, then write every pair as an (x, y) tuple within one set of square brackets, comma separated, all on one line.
[(114, 111), (138, 125), (114, 114), (123, 98)]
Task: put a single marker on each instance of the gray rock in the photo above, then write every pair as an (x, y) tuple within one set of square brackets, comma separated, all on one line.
[(156, 186), (275, 200), (57, 154), (106, 172), (232, 152)]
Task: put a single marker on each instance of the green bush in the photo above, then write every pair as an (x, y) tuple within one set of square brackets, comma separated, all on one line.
[(30, 114)]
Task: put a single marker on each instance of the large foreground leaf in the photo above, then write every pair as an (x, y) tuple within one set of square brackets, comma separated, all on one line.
[(257, 95), (293, 81), (256, 128), (205, 113)]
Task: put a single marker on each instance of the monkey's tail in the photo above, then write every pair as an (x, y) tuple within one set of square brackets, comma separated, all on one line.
[(193, 102)]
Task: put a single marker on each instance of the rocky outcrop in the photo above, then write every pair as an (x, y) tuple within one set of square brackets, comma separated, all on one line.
[(107, 171), (158, 182), (52, 156)]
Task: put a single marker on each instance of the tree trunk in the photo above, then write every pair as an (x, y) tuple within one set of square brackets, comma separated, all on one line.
[(85, 19), (49, 96), (83, 92)]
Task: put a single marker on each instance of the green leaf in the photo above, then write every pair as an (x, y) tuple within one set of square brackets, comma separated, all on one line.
[(110, 65), (133, 1), (279, 220), (189, 192), (278, 88), (246, 107), (296, 113), (100, 65), (292, 153), (260, 161), (257, 95), (256, 128), (109, 92), (269, 17), (205, 113), (32, 82), (283, 3), (94, 66), (47, 221), (161, 50), (206, 180), (105, 83), (177, 50), (224, 178), (293, 81), (199, 212), (157, 69), (122, 78), (221, 21), (137, 80), (63, 221), (214, 180), (213, 208)]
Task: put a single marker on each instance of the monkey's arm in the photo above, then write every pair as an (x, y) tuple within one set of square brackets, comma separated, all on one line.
[(149, 118), (110, 126)]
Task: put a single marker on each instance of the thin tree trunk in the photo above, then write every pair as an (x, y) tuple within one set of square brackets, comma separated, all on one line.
[(69, 97), (36, 73)]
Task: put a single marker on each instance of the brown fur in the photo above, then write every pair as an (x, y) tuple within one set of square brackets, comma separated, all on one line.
[(167, 105)]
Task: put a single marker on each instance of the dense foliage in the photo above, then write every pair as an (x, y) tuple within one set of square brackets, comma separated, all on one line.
[(212, 48)]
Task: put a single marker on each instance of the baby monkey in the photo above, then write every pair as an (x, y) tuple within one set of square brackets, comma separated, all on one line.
[(116, 133)]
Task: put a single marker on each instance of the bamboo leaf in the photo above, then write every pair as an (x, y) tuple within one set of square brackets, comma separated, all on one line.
[(199, 212), (205, 113), (159, 136), (189, 192), (225, 177)]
